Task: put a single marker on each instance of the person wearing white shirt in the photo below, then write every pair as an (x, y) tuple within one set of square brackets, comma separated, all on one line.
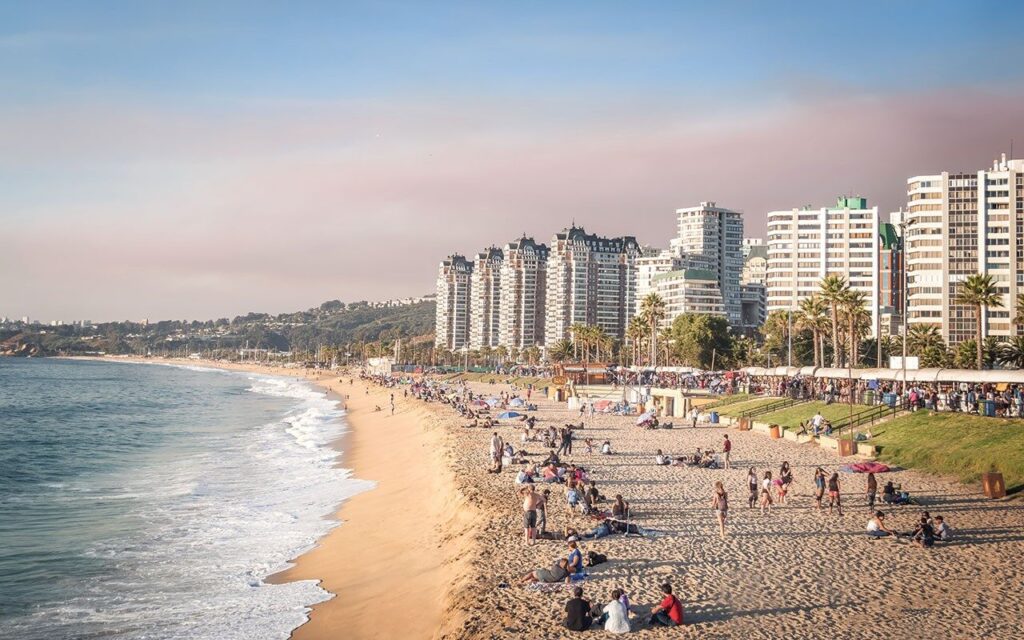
[(615, 617)]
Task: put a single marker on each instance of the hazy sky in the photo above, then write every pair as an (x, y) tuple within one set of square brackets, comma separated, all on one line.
[(198, 160)]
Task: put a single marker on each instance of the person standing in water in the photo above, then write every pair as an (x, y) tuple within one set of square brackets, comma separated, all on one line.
[(720, 503)]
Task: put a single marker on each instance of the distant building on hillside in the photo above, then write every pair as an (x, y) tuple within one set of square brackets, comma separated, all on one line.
[(485, 299), (451, 330), (523, 278), (591, 280)]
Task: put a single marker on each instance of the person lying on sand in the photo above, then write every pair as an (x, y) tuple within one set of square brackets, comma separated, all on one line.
[(557, 573)]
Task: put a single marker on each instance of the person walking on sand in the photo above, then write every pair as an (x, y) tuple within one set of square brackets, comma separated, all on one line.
[(720, 503), (752, 485), (766, 492), (833, 494), (819, 486), (497, 450), (694, 415), (872, 490), (531, 501), (726, 448)]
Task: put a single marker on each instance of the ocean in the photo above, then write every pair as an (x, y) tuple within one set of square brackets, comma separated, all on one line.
[(148, 501)]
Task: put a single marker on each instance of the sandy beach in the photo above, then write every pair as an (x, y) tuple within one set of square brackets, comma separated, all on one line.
[(427, 554)]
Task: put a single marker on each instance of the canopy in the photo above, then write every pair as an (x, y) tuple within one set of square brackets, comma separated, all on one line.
[(493, 401), (480, 403), (509, 414), (517, 402)]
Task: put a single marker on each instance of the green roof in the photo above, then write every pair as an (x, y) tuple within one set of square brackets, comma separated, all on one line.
[(890, 239)]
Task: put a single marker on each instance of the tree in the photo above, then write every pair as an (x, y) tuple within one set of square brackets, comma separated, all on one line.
[(833, 291), (577, 332), (921, 337), (561, 351), (813, 316), (1019, 318), (701, 340), (979, 291), (857, 320), (652, 308), (1012, 352), (635, 333)]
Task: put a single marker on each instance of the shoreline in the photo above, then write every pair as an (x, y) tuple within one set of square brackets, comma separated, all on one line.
[(387, 544)]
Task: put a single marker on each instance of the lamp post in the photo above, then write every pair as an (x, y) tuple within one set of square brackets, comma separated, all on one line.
[(904, 295)]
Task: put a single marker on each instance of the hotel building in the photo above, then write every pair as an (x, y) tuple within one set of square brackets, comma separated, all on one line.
[(523, 283), (485, 298), (957, 225), (710, 238), (805, 245), (451, 328)]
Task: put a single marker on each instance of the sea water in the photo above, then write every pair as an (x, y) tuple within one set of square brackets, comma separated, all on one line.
[(143, 501)]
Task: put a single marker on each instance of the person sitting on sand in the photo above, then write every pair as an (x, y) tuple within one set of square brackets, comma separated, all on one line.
[(557, 573), (876, 527), (606, 448), (661, 459), (577, 612), (550, 473), (589, 442), (669, 612), (620, 508), (551, 459), (614, 615), (924, 534), (524, 476), (575, 559), (595, 495), (942, 531)]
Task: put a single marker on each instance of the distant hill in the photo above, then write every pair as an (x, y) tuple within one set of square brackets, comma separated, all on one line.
[(352, 327)]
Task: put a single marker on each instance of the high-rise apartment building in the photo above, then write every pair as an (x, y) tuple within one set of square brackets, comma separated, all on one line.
[(890, 276), (649, 265), (805, 245), (523, 282), (689, 291), (485, 298), (590, 281), (710, 238), (957, 225), (451, 327)]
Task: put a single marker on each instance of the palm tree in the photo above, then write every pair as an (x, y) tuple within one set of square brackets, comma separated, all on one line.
[(833, 291), (979, 291), (813, 316), (577, 333), (652, 308), (1012, 352), (857, 319), (635, 333), (1019, 318), (561, 351)]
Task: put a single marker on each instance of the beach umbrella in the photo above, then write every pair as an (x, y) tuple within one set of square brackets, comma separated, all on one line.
[(493, 402), (509, 414), (516, 402), (645, 417), (480, 403)]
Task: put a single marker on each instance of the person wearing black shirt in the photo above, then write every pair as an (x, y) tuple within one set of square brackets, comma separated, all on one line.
[(577, 612)]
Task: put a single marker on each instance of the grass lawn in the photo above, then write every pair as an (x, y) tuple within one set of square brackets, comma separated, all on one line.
[(947, 443), (791, 417), (736, 408), (719, 403)]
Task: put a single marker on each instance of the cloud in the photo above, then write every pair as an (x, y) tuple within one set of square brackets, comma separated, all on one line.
[(276, 207)]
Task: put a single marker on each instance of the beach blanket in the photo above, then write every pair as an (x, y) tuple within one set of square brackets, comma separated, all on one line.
[(865, 467)]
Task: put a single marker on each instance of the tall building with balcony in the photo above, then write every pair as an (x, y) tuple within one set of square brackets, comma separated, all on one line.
[(805, 245), (957, 225), (590, 281), (689, 291), (451, 326), (523, 283), (710, 238), (650, 264), (485, 298)]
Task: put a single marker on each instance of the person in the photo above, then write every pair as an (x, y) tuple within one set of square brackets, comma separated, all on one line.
[(942, 530), (530, 501), (752, 487), (557, 573), (694, 415), (615, 614), (620, 508), (590, 445), (785, 480), (524, 476), (542, 512), (606, 448), (766, 492), (720, 503), (726, 448), (819, 486), (577, 612), (872, 489), (833, 494), (924, 534), (497, 449), (575, 559), (669, 612), (889, 493), (660, 458), (876, 527), (816, 422)]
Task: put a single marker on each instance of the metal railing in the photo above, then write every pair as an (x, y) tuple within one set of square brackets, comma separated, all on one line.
[(771, 407)]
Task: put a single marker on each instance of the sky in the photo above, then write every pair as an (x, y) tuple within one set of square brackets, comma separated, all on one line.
[(196, 160)]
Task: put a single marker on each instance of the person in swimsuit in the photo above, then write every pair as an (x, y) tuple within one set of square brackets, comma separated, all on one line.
[(531, 500), (785, 479), (752, 487), (726, 449), (720, 503), (872, 490), (833, 494), (819, 486), (766, 492)]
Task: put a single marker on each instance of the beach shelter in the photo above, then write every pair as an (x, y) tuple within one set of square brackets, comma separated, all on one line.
[(516, 402), (509, 414), (480, 403), (493, 401), (645, 417)]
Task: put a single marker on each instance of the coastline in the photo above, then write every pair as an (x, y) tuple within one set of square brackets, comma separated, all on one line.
[(384, 563)]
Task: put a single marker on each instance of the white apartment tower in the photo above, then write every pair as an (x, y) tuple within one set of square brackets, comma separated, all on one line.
[(689, 291), (451, 327), (590, 281), (523, 280), (959, 224), (485, 299), (710, 238), (651, 264), (805, 245)]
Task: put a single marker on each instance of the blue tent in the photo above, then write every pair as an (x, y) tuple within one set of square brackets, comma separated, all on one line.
[(509, 414)]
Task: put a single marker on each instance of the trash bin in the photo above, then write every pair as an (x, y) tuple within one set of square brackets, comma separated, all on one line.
[(989, 407), (992, 484), (714, 417), (775, 431), (889, 399), (869, 398)]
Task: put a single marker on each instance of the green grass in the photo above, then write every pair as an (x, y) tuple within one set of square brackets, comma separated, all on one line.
[(964, 446), (737, 408), (727, 400), (791, 417)]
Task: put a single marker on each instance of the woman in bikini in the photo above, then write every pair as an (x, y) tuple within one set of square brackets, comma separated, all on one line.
[(833, 494), (766, 492), (785, 479), (720, 503)]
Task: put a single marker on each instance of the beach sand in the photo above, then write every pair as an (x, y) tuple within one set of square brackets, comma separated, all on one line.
[(425, 553)]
